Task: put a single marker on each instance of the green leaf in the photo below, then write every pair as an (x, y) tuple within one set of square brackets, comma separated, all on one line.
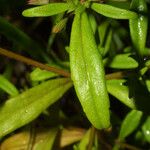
[(24, 108), (40, 75), (7, 86), (146, 129), (138, 26), (47, 141), (121, 61), (120, 91), (46, 10), (87, 72), (113, 12), (130, 123)]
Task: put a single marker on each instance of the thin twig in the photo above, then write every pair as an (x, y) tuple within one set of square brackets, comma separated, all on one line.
[(12, 55), (33, 62), (116, 75), (91, 139)]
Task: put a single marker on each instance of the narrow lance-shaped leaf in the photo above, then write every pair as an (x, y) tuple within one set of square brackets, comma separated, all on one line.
[(113, 12), (22, 109), (130, 123), (87, 72), (7, 86), (120, 91), (138, 26), (47, 10)]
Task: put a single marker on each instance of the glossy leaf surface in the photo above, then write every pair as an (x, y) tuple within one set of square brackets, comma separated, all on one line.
[(113, 12), (138, 26), (121, 61), (87, 72), (22, 109), (120, 91), (46, 10)]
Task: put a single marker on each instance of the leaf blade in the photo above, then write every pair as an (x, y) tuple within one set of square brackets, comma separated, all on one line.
[(30, 104), (121, 61), (46, 10), (139, 26), (113, 12), (121, 92), (7, 86), (86, 71), (130, 123)]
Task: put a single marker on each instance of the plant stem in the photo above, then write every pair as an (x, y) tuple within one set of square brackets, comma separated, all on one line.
[(116, 75), (33, 62), (12, 55)]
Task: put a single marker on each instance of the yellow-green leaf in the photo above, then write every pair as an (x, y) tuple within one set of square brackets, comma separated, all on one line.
[(121, 61), (113, 12), (138, 26), (120, 91), (46, 10), (87, 72), (130, 123), (7, 86), (25, 107)]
